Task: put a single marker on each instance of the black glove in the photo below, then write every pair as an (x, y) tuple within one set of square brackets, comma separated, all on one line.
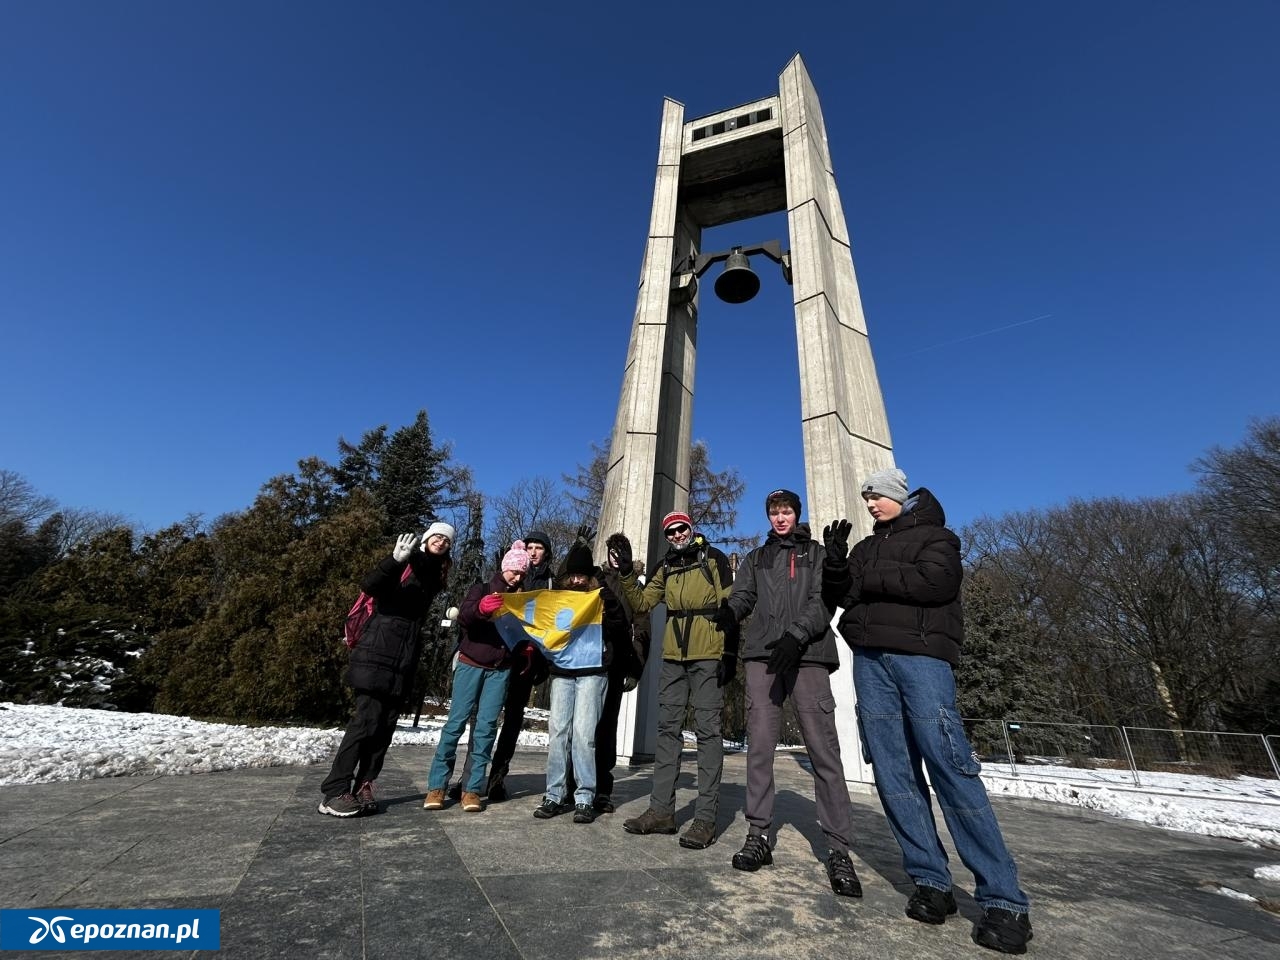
[(727, 670), (835, 537), (585, 533), (786, 654), (724, 618), (620, 555)]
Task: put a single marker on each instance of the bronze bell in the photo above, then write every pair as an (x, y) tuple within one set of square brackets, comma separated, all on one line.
[(738, 283)]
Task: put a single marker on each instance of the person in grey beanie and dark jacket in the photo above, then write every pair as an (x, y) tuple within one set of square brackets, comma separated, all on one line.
[(789, 652), (900, 591)]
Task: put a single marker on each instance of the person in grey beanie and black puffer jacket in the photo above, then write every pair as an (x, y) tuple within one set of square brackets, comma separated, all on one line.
[(900, 590), (789, 652)]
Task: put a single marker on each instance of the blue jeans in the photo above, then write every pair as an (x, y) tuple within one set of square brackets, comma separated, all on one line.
[(485, 690), (907, 715), (576, 703)]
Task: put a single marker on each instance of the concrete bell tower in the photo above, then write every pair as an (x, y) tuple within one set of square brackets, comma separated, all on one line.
[(743, 162)]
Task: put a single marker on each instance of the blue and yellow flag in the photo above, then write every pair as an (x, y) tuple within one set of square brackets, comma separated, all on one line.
[(565, 624)]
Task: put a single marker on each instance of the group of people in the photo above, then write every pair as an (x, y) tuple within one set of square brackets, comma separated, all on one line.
[(897, 595)]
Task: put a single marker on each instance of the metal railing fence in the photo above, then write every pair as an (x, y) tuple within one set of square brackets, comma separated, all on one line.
[(1094, 749)]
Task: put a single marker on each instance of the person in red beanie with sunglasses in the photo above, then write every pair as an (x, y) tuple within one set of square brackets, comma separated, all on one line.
[(698, 660)]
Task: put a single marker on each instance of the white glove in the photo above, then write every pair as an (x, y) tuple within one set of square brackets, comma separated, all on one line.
[(404, 546)]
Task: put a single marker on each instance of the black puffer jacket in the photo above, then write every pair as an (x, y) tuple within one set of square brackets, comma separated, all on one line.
[(779, 585), (386, 658), (901, 585)]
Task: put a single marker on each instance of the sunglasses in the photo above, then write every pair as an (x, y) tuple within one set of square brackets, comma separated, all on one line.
[(676, 530)]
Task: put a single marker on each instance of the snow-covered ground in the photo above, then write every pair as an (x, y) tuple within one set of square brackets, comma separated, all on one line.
[(40, 744)]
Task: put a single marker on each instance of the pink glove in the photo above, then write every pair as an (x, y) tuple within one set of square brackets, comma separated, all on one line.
[(489, 603)]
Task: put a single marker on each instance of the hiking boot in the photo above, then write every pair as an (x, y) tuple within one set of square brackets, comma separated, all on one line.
[(700, 835), (602, 803), (343, 805), (931, 905), (549, 808), (471, 802), (1002, 930), (434, 800), (368, 803), (651, 822), (584, 813), (844, 881), (755, 853)]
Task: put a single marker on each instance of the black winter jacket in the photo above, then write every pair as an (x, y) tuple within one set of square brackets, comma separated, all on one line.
[(629, 659), (385, 660), (779, 586), (901, 585)]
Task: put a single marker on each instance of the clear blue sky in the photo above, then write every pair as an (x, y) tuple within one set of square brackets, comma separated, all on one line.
[(232, 232)]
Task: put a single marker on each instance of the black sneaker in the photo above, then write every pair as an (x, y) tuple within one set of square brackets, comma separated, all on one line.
[(755, 853), (931, 905), (602, 803), (584, 813), (455, 793), (1003, 931), (844, 881), (549, 808)]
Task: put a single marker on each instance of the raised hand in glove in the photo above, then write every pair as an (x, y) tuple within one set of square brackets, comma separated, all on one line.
[(585, 534), (404, 546), (724, 618), (835, 537), (727, 670), (620, 555), (786, 654), (489, 603)]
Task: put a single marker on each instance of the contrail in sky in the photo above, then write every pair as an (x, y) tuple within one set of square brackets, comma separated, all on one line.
[(975, 336)]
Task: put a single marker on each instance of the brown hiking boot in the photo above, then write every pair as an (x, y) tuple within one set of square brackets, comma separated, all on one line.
[(471, 802), (434, 800), (700, 835), (651, 822)]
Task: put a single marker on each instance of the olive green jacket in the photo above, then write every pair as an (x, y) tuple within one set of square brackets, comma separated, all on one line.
[(691, 582)]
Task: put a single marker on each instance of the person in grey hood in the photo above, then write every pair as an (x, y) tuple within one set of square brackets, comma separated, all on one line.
[(789, 652)]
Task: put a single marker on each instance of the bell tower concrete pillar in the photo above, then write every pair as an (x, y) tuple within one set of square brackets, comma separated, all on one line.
[(743, 162)]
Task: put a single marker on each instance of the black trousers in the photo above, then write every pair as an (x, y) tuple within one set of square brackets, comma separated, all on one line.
[(518, 691), (364, 745)]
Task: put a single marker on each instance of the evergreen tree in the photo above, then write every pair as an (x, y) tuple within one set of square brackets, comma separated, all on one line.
[(1005, 672)]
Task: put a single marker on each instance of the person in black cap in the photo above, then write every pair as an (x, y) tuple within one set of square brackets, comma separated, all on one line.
[(577, 697), (539, 576), (789, 653)]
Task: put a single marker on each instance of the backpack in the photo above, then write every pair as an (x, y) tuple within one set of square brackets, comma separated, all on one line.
[(360, 613)]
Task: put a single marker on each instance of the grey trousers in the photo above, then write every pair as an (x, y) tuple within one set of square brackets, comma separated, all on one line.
[(689, 683), (809, 688)]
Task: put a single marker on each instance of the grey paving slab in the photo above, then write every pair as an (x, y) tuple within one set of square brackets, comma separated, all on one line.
[(501, 884)]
